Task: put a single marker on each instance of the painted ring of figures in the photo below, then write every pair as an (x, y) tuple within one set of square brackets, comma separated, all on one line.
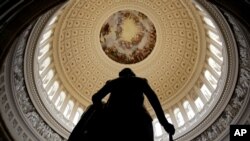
[(128, 36)]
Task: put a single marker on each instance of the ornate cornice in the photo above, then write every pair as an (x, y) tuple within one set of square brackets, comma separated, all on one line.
[(237, 105), (231, 78), (23, 119), (32, 83)]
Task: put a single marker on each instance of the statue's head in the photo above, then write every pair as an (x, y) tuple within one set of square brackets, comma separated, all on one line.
[(126, 72)]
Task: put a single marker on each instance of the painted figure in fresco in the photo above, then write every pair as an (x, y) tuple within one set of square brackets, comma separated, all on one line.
[(125, 115)]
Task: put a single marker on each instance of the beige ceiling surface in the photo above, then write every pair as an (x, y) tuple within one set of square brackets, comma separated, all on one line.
[(172, 68)]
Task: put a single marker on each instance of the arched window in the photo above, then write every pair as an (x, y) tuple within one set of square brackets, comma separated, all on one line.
[(214, 37), (211, 79), (68, 109), (179, 117), (46, 36), (158, 129), (77, 115), (199, 104), (206, 92), (48, 77), (214, 65), (53, 89), (216, 51), (44, 64), (188, 109), (168, 118), (53, 20), (208, 22), (60, 100), (43, 51)]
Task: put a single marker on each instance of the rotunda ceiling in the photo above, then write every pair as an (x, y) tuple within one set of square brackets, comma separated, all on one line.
[(162, 41)]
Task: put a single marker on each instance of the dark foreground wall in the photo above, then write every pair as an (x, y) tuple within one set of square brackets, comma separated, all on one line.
[(15, 15)]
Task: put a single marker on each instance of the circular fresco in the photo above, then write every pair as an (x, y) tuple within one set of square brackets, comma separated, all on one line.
[(128, 36)]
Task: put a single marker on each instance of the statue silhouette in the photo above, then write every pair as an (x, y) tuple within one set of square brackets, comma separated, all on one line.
[(123, 117)]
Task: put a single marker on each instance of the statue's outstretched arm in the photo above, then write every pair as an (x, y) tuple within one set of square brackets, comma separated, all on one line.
[(99, 95)]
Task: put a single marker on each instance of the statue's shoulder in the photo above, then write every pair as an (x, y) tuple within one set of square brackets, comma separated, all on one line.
[(141, 79)]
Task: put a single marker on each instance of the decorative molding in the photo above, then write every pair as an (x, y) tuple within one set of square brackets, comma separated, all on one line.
[(34, 91), (22, 119), (48, 112), (23, 101), (232, 73), (11, 114), (239, 101)]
